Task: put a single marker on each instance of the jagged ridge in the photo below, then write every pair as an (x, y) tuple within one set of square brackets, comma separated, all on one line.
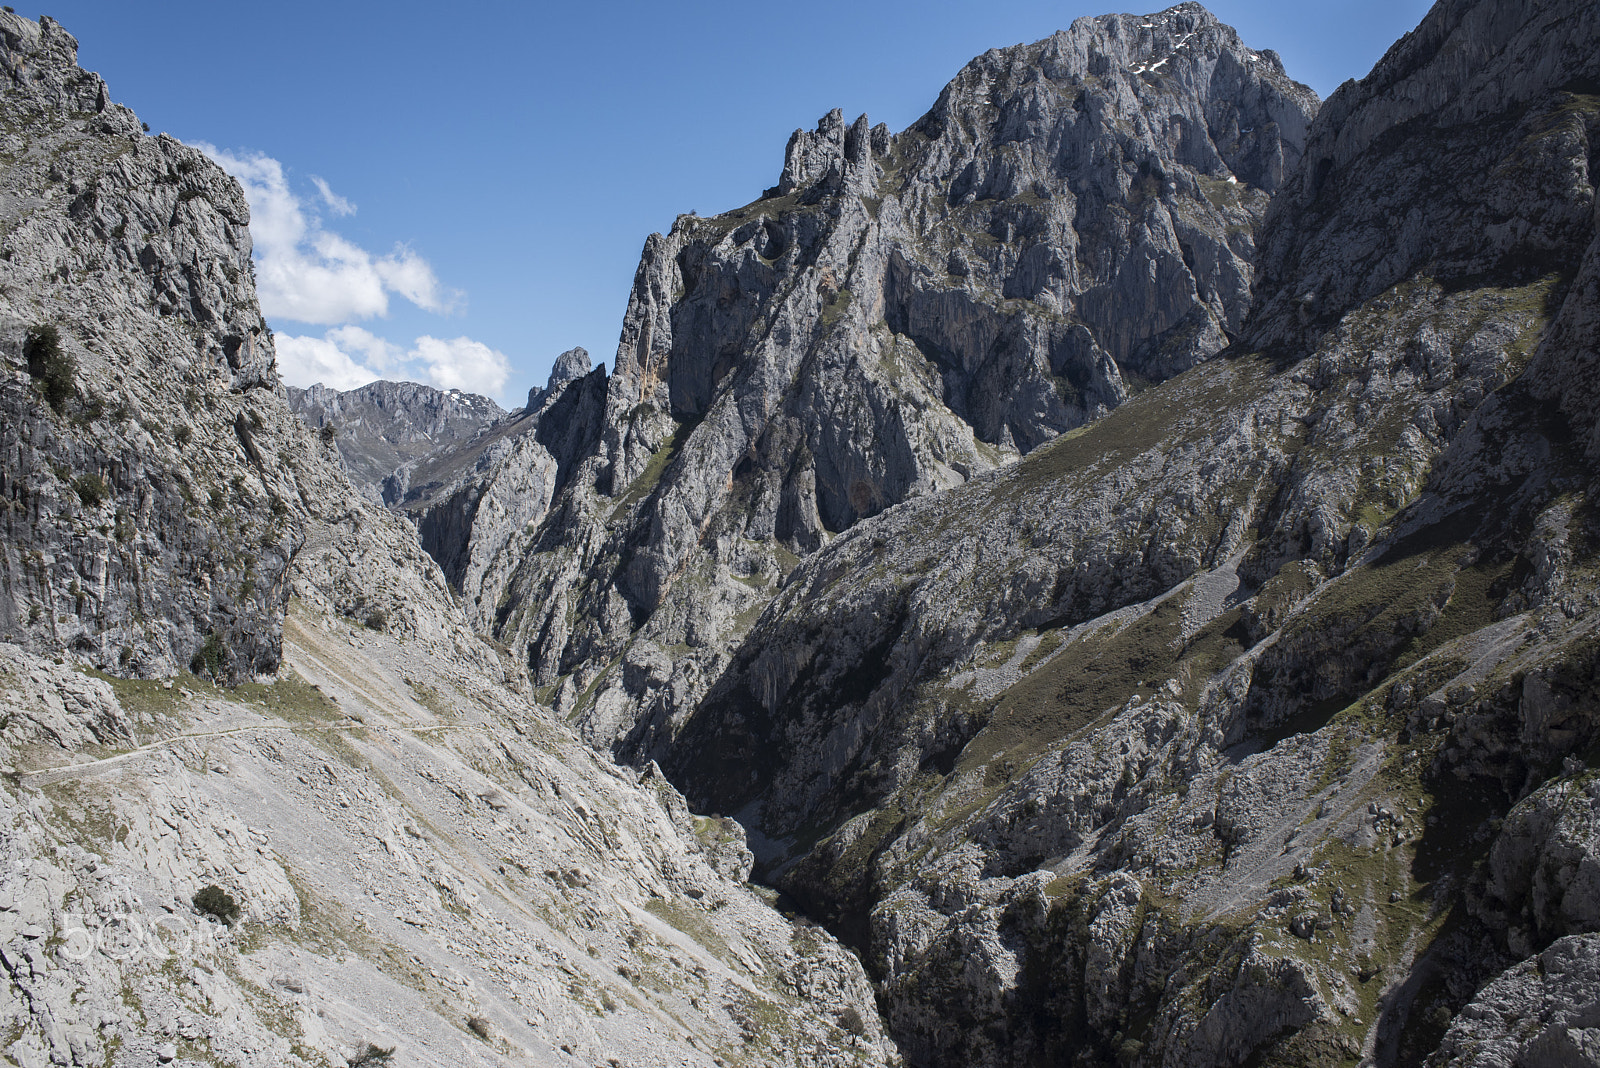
[(1175, 743), (899, 314)]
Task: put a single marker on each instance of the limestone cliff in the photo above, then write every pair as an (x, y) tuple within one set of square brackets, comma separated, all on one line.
[(339, 835), (1255, 721), (476, 505), (134, 363), (1072, 221)]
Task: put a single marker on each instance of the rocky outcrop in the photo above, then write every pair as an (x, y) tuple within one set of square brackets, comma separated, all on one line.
[(382, 429), (473, 479), (1544, 1012), (1171, 743), (344, 834), (1072, 220), (1544, 867), (1416, 170), (478, 505)]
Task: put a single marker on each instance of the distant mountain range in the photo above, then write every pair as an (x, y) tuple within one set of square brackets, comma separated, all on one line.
[(1116, 563)]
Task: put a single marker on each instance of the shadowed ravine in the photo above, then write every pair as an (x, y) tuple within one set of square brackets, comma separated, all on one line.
[(1115, 559)]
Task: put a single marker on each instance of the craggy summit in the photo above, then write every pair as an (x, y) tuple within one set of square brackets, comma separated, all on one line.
[(1117, 562)]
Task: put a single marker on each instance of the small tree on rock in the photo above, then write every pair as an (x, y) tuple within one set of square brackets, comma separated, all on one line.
[(213, 900), (54, 372)]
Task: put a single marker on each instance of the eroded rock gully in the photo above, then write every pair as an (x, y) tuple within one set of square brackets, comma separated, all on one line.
[(1120, 554), (1195, 735), (221, 667)]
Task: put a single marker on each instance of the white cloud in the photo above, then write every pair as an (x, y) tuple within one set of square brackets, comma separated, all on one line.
[(312, 275), (410, 276), (462, 363), (348, 356), (336, 203), (305, 361), (372, 350)]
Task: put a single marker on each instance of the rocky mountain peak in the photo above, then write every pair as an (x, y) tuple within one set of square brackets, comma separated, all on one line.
[(383, 428), (1261, 657), (833, 153), (40, 61), (569, 367), (1237, 116)]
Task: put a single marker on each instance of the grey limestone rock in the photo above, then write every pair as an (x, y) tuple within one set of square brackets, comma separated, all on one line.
[(158, 491), (481, 503), (1251, 640), (1073, 219), (1544, 867), (569, 367), (412, 846), (1542, 1013), (137, 386), (1425, 167), (383, 428)]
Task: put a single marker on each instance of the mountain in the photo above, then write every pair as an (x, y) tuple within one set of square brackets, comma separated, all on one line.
[(383, 429), (267, 800), (1072, 221), (1255, 721), (470, 503), (1116, 562)]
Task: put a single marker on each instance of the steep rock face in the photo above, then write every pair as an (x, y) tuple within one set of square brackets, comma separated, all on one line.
[(383, 428), (1072, 219), (1544, 869), (1545, 1011), (157, 489), (1455, 158), (1172, 743), (477, 505), (422, 860), (136, 387)]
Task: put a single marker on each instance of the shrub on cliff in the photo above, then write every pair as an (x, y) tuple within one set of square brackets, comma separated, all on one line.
[(210, 657), (215, 901), (53, 371)]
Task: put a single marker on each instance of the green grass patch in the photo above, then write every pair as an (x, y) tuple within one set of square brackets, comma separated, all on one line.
[(289, 696), (1179, 411), (1220, 193), (692, 922), (650, 477), (1091, 675), (836, 308)]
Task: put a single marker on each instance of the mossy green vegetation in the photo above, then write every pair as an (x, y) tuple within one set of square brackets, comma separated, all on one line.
[(715, 832), (54, 372), (650, 477), (836, 308), (1179, 411), (691, 921), (289, 696), (213, 900), (1096, 673)]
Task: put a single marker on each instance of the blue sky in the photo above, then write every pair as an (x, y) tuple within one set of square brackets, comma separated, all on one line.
[(457, 193)]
